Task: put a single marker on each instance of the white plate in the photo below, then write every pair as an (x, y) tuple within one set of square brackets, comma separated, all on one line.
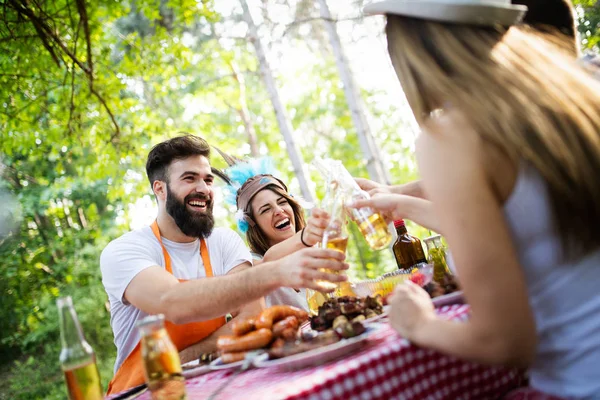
[(452, 298), (218, 365), (319, 355), (194, 369)]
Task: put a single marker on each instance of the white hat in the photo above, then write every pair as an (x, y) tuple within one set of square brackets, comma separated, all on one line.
[(473, 12)]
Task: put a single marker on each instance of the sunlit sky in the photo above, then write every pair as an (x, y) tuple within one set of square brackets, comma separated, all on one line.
[(364, 46)]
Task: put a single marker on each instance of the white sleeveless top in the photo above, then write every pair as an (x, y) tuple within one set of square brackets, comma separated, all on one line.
[(565, 297)]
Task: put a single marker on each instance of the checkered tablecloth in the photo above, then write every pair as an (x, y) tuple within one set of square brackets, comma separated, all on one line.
[(388, 367)]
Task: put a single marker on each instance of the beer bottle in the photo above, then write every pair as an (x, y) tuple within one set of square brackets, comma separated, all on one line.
[(77, 357), (408, 250), (162, 365)]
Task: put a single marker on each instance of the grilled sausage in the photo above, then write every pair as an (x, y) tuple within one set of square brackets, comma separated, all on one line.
[(277, 313), (242, 327), (250, 341), (286, 323)]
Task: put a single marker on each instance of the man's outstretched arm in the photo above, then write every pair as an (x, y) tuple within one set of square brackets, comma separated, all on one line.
[(155, 291)]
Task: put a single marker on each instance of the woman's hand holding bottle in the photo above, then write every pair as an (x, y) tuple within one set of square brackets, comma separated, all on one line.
[(315, 227), (398, 206)]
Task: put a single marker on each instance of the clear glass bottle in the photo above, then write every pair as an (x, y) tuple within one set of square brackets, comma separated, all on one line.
[(436, 255), (77, 358), (408, 249), (371, 224), (162, 366)]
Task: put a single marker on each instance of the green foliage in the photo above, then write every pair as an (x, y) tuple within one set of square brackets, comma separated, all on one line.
[(588, 18)]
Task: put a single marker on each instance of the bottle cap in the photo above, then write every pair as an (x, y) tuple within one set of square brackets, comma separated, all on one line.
[(432, 239), (399, 222)]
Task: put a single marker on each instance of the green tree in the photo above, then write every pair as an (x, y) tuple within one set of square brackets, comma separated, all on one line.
[(588, 18)]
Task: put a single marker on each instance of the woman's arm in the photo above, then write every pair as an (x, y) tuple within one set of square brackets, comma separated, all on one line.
[(412, 189), (396, 206), (313, 234), (452, 163)]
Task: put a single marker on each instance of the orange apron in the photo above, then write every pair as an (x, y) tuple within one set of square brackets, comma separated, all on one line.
[(131, 372)]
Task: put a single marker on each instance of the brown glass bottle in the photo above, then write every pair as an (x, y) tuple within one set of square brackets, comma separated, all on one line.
[(407, 248)]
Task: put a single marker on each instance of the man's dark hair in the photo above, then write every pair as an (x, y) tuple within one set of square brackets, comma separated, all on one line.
[(163, 154), (550, 16)]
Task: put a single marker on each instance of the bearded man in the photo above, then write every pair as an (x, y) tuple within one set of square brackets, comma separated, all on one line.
[(183, 267)]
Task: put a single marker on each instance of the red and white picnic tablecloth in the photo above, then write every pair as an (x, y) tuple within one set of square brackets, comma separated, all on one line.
[(388, 367)]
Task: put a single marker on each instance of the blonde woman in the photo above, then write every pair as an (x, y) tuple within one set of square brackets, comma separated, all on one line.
[(509, 156)]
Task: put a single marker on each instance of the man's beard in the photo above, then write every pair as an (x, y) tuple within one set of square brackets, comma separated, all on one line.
[(192, 224)]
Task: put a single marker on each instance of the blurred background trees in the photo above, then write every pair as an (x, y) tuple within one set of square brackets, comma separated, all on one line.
[(88, 87)]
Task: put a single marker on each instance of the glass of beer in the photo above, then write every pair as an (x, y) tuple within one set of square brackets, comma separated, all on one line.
[(370, 223), (162, 366), (335, 236)]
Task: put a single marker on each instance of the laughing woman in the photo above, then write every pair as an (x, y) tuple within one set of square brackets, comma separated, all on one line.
[(272, 220)]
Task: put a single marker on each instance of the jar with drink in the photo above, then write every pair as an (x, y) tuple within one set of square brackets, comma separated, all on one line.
[(436, 255), (162, 366)]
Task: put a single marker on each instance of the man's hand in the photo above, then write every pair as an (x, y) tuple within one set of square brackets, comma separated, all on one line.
[(315, 226), (303, 268)]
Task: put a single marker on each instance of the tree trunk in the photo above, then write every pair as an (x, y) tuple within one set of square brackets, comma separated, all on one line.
[(282, 120), (244, 112), (375, 166)]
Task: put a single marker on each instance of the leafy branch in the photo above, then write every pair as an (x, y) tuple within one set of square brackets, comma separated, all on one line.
[(55, 47)]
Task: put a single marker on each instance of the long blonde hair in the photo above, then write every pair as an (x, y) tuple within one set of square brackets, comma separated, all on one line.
[(521, 93)]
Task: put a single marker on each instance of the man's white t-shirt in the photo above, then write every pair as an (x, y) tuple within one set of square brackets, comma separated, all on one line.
[(285, 295), (135, 251)]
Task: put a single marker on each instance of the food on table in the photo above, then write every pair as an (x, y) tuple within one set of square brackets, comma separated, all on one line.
[(306, 343), (243, 326), (286, 328), (273, 314), (350, 329), (250, 341), (447, 285), (349, 307), (273, 325), (283, 337), (417, 277)]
